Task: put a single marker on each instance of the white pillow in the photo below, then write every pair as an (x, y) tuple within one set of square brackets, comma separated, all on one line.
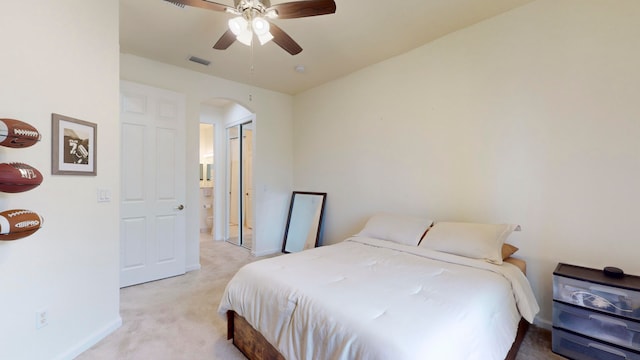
[(477, 241), (403, 229)]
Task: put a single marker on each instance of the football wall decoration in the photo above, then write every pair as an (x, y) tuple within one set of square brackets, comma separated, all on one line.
[(17, 134), (18, 177), (18, 223)]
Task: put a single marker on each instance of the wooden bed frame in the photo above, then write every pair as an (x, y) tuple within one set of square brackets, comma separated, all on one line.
[(255, 347)]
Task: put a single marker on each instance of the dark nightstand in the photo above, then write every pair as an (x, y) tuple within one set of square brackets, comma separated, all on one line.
[(595, 316)]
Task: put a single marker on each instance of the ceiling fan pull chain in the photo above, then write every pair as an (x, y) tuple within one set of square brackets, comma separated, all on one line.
[(251, 74)]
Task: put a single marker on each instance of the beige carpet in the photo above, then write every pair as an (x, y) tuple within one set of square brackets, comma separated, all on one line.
[(176, 318)]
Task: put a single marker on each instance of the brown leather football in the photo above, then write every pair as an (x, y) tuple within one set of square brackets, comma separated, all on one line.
[(18, 223), (18, 177), (17, 134)]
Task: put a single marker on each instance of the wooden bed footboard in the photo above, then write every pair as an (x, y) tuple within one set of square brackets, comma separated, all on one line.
[(255, 347), (523, 327), (248, 340)]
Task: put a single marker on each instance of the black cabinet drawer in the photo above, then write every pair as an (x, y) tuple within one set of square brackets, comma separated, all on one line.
[(602, 327), (577, 347), (622, 302)]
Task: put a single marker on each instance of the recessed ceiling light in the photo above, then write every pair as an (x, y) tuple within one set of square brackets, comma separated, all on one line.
[(299, 68)]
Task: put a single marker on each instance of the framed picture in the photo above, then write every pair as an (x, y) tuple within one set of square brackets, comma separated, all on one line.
[(73, 146)]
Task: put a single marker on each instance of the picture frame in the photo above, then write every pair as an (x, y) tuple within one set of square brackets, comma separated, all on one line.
[(73, 146)]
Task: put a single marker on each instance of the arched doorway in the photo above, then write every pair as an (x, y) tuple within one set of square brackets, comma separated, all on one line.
[(231, 175)]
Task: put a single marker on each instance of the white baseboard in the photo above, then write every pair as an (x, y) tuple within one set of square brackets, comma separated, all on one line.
[(192, 267), (543, 323), (91, 340), (266, 252)]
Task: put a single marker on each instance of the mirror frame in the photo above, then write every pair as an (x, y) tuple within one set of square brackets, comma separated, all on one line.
[(291, 205)]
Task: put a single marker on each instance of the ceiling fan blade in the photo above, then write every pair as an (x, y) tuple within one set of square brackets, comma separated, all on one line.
[(225, 40), (209, 5), (284, 41), (298, 9)]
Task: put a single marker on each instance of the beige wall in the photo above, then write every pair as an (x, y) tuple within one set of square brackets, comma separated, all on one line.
[(61, 57), (531, 117)]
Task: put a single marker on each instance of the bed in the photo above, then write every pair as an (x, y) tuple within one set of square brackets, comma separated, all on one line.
[(369, 297)]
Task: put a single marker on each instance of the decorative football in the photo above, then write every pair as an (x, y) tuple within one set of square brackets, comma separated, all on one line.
[(18, 223), (17, 134), (18, 177)]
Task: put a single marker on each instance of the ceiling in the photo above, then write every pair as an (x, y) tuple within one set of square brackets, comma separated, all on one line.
[(360, 33)]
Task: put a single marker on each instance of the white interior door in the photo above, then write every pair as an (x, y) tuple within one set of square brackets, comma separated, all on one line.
[(152, 224)]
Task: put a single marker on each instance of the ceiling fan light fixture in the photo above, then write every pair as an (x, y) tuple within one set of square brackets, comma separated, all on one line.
[(230, 10), (246, 37), (265, 38), (238, 25), (240, 28), (271, 14), (260, 26)]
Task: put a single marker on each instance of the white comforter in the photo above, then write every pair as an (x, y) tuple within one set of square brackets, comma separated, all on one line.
[(372, 299)]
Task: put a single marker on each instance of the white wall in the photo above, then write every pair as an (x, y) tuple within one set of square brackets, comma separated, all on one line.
[(61, 57), (273, 161), (531, 117)]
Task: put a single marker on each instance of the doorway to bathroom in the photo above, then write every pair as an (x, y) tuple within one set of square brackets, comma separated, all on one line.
[(227, 132), (207, 146)]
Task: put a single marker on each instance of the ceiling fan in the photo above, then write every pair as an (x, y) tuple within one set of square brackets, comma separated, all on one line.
[(252, 19)]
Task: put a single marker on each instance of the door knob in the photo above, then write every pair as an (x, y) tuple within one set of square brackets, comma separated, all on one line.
[(180, 207)]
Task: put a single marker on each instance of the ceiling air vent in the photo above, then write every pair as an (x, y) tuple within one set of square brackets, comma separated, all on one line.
[(175, 3), (200, 61)]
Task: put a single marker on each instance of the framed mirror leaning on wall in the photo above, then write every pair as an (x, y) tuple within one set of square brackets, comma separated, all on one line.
[(304, 223)]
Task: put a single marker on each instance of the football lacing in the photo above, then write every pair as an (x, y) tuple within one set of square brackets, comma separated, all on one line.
[(19, 212), (23, 132)]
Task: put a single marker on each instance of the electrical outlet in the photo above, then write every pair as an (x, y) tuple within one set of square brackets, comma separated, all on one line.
[(42, 318)]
